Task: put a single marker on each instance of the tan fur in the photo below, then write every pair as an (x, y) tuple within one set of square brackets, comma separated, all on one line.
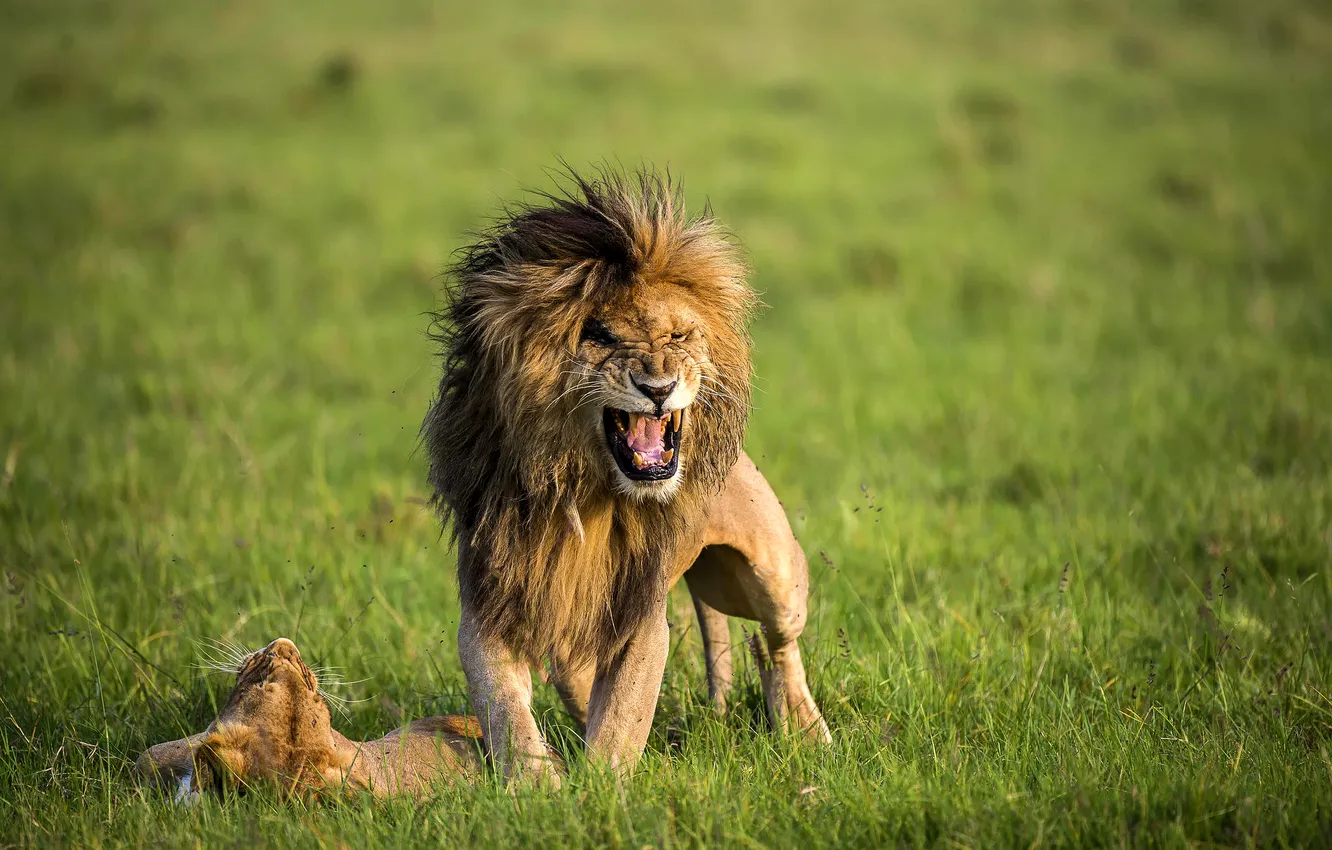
[(275, 730), (553, 559), (560, 555)]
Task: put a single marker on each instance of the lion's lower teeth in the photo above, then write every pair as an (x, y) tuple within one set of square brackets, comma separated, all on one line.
[(667, 455), (639, 460)]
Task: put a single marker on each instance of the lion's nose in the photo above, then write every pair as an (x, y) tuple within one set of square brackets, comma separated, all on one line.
[(657, 393)]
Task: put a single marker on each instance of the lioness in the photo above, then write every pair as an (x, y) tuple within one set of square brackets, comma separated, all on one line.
[(274, 730), (585, 448)]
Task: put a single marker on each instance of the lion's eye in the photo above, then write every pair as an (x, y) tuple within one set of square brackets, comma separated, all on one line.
[(597, 333), (679, 336)]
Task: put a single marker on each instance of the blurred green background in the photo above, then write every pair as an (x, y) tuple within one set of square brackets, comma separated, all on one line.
[(1045, 384)]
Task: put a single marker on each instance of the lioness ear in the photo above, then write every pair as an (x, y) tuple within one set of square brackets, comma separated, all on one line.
[(220, 761)]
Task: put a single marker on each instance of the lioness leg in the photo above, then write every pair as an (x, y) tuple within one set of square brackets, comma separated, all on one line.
[(624, 696), (170, 766), (500, 686), (716, 649)]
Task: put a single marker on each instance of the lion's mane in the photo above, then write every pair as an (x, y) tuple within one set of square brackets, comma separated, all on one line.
[(549, 557)]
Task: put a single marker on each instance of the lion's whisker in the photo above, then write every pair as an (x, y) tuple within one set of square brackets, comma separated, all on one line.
[(707, 405), (724, 394), (718, 386), (589, 384)]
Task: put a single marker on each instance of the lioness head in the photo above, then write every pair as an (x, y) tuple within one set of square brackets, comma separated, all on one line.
[(275, 725), (596, 340)]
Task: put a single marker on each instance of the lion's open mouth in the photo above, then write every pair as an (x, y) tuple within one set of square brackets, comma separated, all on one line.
[(646, 448)]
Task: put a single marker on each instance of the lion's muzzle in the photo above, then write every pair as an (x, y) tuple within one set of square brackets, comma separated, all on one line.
[(645, 447)]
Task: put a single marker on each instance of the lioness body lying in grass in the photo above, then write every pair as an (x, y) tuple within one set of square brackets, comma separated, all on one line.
[(275, 730)]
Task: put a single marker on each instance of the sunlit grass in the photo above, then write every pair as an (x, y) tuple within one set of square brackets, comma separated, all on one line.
[(1043, 385)]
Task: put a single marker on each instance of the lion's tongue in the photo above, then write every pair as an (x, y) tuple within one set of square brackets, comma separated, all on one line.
[(646, 437)]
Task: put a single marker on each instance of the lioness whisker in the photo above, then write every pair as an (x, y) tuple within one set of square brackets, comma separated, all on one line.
[(232, 650), (340, 683), (218, 655), (345, 700), (209, 663), (220, 668), (340, 703)]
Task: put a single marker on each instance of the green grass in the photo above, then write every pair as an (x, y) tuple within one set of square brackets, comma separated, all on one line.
[(1045, 385)]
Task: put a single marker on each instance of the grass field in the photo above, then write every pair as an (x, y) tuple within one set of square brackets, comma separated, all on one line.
[(1045, 385)]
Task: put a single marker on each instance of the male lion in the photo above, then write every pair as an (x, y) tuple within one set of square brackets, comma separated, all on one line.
[(274, 730), (585, 445)]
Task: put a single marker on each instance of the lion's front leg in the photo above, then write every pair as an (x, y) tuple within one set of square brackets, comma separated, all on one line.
[(624, 696), (500, 685), (574, 685)]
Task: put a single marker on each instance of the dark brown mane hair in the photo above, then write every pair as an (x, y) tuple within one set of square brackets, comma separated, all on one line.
[(549, 557)]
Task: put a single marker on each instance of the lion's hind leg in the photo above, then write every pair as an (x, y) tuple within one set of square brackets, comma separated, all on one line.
[(786, 695), (768, 587), (782, 623)]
